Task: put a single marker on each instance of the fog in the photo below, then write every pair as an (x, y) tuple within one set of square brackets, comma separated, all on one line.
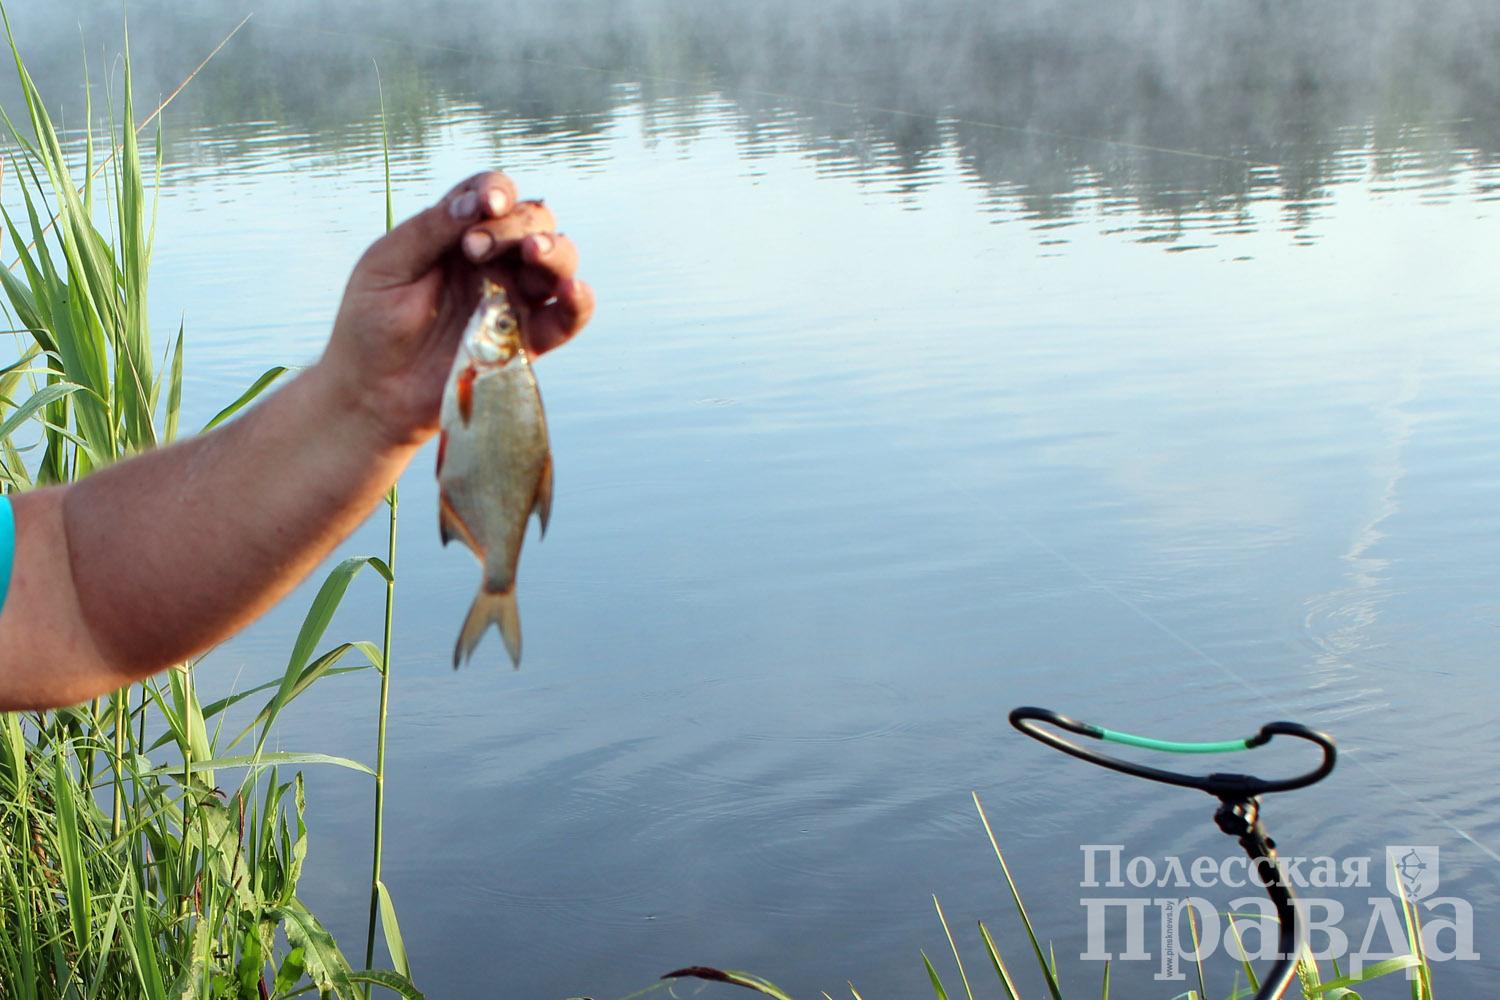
[(1267, 97)]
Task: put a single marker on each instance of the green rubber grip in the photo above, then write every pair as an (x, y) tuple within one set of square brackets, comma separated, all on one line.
[(1171, 746)]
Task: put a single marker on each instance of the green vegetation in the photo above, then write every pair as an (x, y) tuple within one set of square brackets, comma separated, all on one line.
[(382, 910), (1310, 976), (132, 861)]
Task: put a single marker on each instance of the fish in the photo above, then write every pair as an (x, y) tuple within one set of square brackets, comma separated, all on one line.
[(494, 465)]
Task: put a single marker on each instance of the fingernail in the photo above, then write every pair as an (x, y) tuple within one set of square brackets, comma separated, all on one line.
[(477, 244), (541, 245), (499, 201), (464, 205)]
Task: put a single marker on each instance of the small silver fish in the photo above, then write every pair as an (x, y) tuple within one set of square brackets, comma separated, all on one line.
[(494, 464)]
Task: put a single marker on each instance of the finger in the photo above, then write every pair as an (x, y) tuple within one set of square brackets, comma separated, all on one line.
[(547, 259), (412, 248), (559, 321), (493, 237)]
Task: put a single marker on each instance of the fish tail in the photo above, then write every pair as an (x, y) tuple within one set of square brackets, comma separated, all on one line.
[(490, 607)]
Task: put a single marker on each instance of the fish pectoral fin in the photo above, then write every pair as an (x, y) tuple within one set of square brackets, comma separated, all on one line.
[(451, 526), (490, 608), (464, 391), (543, 505)]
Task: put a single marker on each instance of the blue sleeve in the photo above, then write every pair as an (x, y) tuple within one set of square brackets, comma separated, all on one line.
[(7, 545)]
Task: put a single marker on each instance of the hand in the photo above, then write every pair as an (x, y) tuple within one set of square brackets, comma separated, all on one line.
[(412, 293)]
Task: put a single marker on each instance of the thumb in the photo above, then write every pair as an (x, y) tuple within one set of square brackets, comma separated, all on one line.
[(411, 249)]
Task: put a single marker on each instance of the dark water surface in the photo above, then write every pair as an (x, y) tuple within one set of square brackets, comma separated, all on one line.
[(1135, 360)]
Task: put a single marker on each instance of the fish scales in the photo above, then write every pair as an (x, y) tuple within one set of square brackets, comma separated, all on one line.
[(494, 464)]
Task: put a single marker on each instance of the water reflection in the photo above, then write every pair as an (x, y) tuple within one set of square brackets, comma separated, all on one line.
[(1180, 117)]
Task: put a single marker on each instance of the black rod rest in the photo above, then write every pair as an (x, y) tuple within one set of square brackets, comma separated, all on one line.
[(1238, 814)]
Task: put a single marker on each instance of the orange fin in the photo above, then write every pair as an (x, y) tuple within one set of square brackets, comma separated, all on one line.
[(442, 450), (490, 608), (543, 505), (451, 526), (465, 391)]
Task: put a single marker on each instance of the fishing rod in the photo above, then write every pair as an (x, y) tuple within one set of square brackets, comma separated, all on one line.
[(1239, 795)]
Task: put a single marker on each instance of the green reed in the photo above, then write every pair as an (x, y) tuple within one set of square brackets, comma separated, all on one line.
[(1310, 975), (382, 909), (131, 864)]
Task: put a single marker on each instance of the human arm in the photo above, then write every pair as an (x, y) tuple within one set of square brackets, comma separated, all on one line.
[(154, 559)]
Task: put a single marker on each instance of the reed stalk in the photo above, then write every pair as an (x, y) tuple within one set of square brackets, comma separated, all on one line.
[(379, 895), (157, 875), (377, 851)]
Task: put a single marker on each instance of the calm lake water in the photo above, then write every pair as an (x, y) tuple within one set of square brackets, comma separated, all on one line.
[(1137, 361)]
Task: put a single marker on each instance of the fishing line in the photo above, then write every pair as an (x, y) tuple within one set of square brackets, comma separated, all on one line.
[(1206, 656)]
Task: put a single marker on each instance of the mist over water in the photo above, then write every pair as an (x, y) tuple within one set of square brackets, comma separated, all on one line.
[(1183, 112), (1137, 360)]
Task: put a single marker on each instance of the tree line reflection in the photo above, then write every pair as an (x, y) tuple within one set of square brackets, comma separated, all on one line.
[(1177, 114)]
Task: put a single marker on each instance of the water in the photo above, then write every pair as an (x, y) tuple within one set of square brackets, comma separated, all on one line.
[(1137, 363)]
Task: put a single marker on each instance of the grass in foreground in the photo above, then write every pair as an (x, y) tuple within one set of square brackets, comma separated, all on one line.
[(131, 865), (1310, 976)]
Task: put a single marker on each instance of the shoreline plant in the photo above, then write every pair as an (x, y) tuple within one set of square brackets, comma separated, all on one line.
[(1311, 981), (140, 854)]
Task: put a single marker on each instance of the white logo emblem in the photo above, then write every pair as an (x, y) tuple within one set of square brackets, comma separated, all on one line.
[(1411, 870)]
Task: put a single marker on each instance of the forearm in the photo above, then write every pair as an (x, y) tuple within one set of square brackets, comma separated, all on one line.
[(148, 562), (176, 550), (172, 551)]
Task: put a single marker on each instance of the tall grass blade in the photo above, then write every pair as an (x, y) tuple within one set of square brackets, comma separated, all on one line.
[(190, 985), (262, 760), (70, 850), (380, 902), (393, 981), (153, 116), (385, 153), (1192, 915), (1006, 982), (325, 964), (194, 730), (394, 943), (319, 614), (107, 938), (953, 945), (1015, 895), (245, 398), (43, 397), (195, 895), (1421, 986), (937, 984), (174, 389), (143, 950), (1383, 968), (1234, 928), (323, 666), (215, 708)]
